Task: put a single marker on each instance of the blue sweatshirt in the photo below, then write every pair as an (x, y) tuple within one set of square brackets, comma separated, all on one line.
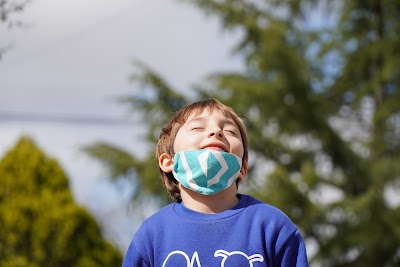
[(251, 234)]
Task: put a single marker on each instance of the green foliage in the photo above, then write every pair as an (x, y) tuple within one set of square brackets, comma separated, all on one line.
[(322, 104), (41, 224), (154, 103), (143, 173)]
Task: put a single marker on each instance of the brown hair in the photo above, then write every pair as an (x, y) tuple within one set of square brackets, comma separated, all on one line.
[(168, 133)]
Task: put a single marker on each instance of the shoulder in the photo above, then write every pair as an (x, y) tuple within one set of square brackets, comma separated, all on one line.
[(261, 208), (276, 226), (142, 245), (270, 217)]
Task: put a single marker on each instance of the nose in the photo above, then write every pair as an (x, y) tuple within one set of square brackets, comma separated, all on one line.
[(216, 132)]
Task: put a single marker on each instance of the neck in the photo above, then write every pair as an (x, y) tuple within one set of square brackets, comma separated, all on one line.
[(210, 204)]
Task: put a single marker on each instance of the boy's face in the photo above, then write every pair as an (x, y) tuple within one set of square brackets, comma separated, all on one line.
[(209, 131)]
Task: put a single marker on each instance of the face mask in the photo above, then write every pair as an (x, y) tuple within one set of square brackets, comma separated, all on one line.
[(206, 171)]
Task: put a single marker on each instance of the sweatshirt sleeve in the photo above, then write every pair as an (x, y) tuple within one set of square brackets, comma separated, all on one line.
[(133, 258), (292, 253)]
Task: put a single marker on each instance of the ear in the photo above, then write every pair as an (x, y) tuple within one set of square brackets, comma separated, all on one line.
[(166, 162), (243, 172)]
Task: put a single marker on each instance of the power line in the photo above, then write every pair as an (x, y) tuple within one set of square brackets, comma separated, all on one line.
[(6, 116)]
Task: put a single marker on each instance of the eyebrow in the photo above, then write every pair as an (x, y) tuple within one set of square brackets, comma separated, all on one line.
[(203, 118), (196, 119)]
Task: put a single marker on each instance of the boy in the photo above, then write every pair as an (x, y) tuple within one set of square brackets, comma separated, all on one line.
[(202, 154)]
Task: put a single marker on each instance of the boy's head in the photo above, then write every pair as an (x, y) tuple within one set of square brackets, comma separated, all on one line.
[(204, 124)]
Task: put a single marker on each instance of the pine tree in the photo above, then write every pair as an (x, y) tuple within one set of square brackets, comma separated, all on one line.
[(322, 106), (41, 225)]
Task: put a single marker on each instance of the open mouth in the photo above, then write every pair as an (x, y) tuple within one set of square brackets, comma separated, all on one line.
[(218, 147)]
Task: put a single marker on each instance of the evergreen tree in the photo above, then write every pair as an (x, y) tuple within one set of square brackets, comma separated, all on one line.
[(322, 106), (40, 223)]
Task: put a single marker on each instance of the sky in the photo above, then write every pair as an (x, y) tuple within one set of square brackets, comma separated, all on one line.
[(69, 63)]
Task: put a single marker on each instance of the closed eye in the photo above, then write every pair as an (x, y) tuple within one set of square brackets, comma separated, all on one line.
[(230, 131)]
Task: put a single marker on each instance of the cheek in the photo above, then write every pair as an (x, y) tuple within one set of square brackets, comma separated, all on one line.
[(237, 148), (185, 142)]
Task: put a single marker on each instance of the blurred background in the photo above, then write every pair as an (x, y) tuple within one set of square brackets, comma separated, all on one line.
[(65, 65), (90, 83)]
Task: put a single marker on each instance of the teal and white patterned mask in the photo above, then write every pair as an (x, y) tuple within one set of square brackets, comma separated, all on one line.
[(206, 171)]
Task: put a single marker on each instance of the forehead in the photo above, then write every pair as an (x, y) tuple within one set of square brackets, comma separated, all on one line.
[(205, 113)]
